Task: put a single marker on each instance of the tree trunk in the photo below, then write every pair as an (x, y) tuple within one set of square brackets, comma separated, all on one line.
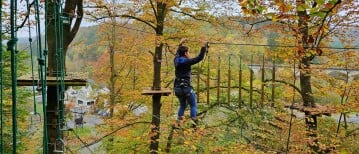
[(51, 35), (305, 78), (55, 106), (157, 59), (51, 117), (155, 128), (54, 122), (51, 107), (308, 100), (156, 101), (112, 81)]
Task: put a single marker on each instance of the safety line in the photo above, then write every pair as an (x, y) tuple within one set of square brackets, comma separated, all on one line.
[(42, 77), (11, 45), (32, 60), (60, 69), (1, 86), (281, 46)]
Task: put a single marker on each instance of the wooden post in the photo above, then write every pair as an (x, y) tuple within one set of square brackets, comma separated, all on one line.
[(208, 79), (134, 77), (229, 80), (251, 84), (262, 82), (218, 78), (240, 83), (198, 80), (273, 79)]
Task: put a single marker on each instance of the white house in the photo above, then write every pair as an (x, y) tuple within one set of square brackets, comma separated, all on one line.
[(85, 96)]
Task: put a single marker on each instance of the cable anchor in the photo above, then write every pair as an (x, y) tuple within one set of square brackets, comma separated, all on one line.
[(59, 146)]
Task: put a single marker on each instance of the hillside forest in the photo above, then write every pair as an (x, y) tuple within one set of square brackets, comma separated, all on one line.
[(279, 76)]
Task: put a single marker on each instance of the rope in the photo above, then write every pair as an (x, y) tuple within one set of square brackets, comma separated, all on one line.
[(60, 66), (113, 132), (42, 78), (291, 110), (1, 86), (291, 113), (281, 46), (81, 140), (32, 60), (59, 71), (11, 46), (204, 59), (57, 57)]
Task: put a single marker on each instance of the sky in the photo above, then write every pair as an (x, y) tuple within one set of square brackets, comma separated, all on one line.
[(231, 8)]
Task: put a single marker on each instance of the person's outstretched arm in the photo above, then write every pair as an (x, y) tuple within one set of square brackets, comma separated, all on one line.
[(201, 54)]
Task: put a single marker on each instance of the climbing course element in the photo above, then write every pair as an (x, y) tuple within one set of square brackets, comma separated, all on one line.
[(1, 87), (11, 46)]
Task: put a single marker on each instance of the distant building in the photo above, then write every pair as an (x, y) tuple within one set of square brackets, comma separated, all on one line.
[(85, 96), (70, 95)]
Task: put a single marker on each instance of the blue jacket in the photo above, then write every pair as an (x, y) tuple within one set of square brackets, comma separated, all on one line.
[(183, 66)]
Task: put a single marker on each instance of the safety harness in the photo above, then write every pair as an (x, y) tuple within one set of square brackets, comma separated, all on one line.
[(182, 87)]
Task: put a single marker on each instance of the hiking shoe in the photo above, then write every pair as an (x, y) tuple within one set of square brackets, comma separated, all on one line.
[(194, 123)]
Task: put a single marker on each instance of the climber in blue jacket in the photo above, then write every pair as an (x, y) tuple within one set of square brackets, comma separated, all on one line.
[(182, 84)]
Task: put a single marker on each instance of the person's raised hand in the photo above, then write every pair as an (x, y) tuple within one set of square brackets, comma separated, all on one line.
[(205, 44)]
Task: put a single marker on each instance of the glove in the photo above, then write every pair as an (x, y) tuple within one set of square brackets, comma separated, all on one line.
[(205, 44)]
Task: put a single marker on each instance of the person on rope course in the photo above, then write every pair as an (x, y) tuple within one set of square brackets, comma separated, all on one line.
[(182, 84)]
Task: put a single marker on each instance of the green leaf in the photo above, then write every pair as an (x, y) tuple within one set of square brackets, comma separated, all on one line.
[(270, 15), (314, 10), (308, 54), (320, 14), (320, 2), (301, 8), (333, 1), (260, 9)]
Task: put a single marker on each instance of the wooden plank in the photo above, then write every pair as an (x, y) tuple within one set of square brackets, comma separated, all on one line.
[(317, 110), (162, 91), (71, 79)]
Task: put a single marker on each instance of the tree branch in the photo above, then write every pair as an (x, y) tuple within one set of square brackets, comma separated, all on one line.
[(190, 15), (139, 19), (26, 17), (284, 82), (78, 21), (154, 10), (120, 16), (319, 38)]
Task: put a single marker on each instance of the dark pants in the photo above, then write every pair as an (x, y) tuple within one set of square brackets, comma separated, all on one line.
[(191, 101)]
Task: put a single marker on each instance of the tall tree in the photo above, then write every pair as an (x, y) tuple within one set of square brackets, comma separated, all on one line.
[(310, 22), (154, 14), (70, 18)]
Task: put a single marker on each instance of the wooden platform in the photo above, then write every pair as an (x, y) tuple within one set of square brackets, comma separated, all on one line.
[(71, 79), (317, 110), (162, 91)]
